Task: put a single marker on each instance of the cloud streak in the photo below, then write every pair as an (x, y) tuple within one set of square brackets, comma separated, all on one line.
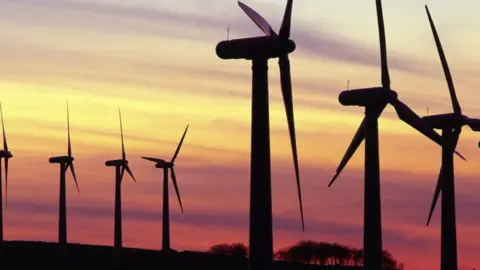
[(310, 42)]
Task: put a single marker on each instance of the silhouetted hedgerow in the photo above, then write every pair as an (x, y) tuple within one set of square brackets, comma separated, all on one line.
[(317, 253)]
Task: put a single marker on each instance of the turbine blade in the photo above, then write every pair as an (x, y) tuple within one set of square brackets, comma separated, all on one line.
[(130, 172), (257, 19), (286, 85), (152, 159), (179, 145), (175, 185), (287, 21), (124, 155), (352, 148), (438, 188), (383, 47), (474, 124), (446, 69), (6, 181), (5, 145), (68, 128), (72, 169), (460, 155), (456, 136), (411, 118), (122, 172)]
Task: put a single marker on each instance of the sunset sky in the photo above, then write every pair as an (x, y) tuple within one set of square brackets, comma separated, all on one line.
[(156, 61)]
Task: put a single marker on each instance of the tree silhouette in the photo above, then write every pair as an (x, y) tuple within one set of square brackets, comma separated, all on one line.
[(220, 249), (357, 255), (323, 253), (388, 261), (239, 250), (236, 249)]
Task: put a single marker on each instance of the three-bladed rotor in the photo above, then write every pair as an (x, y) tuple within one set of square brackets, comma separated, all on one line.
[(5, 154), (378, 98), (67, 160), (285, 76), (122, 163), (450, 122), (161, 163)]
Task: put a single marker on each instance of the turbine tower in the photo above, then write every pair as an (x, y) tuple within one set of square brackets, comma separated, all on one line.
[(66, 162), (120, 166), (451, 125), (259, 50), (165, 165), (6, 155), (375, 100)]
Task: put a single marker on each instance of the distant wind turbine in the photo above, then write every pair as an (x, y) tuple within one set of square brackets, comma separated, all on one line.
[(120, 166), (375, 100), (4, 154), (165, 165), (66, 162), (451, 125)]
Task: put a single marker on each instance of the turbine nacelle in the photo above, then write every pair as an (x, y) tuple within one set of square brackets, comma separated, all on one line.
[(160, 163), (164, 165), (447, 120), (366, 96), (116, 162), (61, 159), (255, 48), (5, 154)]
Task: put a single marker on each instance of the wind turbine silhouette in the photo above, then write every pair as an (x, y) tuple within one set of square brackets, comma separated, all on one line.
[(4, 154), (66, 162), (375, 100), (165, 165), (120, 166), (260, 50), (451, 125)]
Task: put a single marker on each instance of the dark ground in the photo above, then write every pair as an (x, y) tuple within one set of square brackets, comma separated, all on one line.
[(25, 255)]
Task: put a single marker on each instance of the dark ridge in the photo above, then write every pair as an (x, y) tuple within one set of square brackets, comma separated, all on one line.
[(26, 255)]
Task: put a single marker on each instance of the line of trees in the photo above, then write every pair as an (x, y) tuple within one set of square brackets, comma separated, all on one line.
[(235, 249), (311, 252)]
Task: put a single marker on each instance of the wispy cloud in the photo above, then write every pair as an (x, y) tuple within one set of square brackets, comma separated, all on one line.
[(316, 42)]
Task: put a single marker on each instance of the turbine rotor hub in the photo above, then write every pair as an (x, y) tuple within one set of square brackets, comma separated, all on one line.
[(5, 154)]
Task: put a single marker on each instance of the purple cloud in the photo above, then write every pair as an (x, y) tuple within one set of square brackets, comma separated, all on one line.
[(320, 43)]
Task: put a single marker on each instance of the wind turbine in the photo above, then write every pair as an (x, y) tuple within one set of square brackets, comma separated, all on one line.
[(120, 166), (451, 125), (4, 154), (375, 100), (259, 50), (165, 165), (66, 162)]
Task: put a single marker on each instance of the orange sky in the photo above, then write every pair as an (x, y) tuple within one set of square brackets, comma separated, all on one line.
[(157, 62)]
